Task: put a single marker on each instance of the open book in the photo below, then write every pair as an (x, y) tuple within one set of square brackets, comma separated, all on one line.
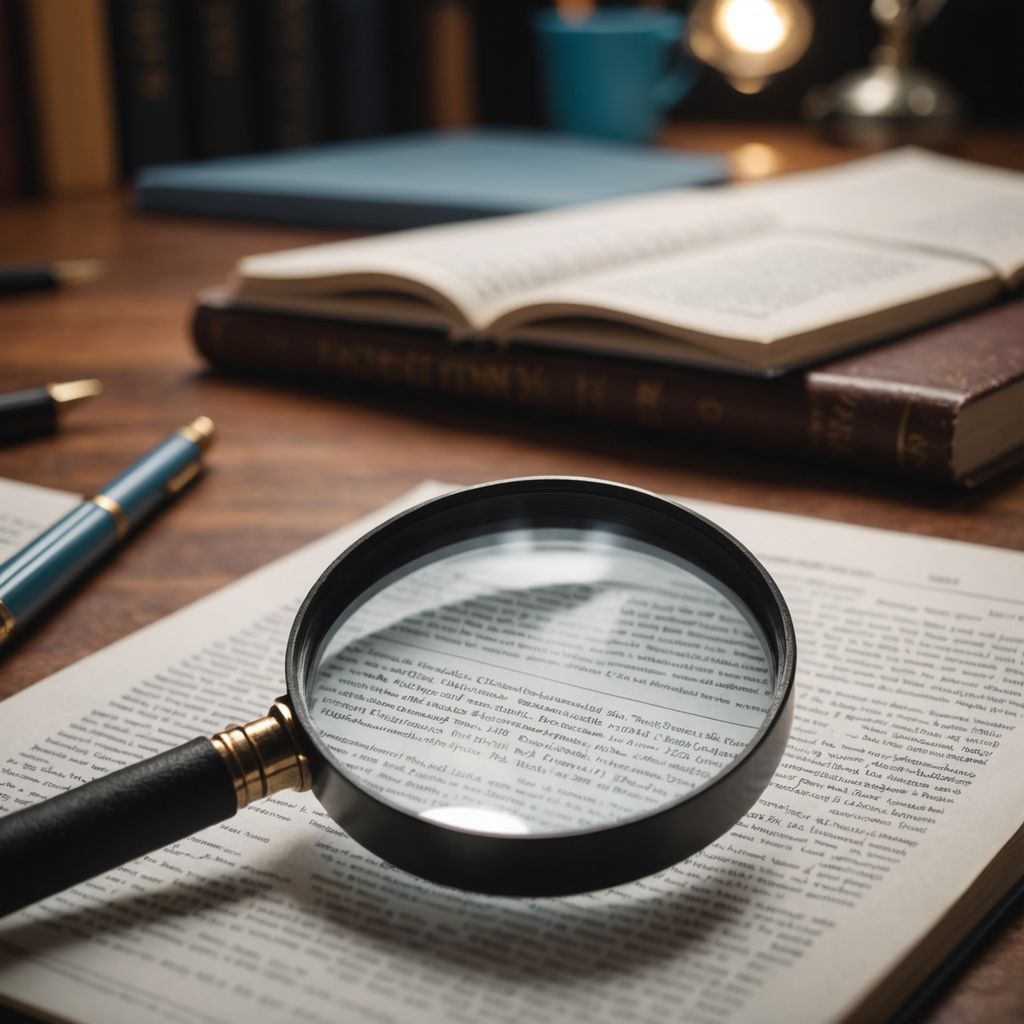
[(893, 825), (755, 279)]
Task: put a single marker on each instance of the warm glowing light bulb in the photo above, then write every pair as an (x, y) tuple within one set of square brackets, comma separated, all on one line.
[(749, 41), (754, 26)]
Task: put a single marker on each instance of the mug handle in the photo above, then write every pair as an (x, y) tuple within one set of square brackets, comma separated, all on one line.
[(681, 75)]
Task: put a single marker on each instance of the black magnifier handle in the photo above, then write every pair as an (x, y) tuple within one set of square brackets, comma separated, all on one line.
[(86, 831)]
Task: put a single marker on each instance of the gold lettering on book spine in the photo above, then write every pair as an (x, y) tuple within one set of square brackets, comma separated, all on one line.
[(219, 39), (590, 394), (840, 425), (710, 411), (148, 31), (911, 446), (434, 371), (533, 386), (648, 402)]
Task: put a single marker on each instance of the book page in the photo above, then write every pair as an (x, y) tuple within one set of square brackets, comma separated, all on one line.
[(471, 268), (880, 240), (26, 510), (900, 784), (760, 291), (914, 197)]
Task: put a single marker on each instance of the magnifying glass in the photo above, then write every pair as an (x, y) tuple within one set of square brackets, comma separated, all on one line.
[(531, 687)]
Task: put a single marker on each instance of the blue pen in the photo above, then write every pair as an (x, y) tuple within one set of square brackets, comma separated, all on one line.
[(36, 574)]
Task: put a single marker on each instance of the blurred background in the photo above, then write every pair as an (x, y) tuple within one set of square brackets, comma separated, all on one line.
[(94, 90)]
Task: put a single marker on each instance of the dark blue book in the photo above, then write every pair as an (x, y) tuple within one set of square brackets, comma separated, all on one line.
[(289, 71), (413, 180), (150, 89), (218, 76), (406, 26), (508, 76), (357, 69)]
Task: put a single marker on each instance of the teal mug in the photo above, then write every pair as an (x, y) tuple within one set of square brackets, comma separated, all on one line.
[(613, 73)]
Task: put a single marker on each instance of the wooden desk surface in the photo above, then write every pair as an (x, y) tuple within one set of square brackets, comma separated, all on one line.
[(287, 467)]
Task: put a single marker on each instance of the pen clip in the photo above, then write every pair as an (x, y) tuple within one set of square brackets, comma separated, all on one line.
[(184, 478)]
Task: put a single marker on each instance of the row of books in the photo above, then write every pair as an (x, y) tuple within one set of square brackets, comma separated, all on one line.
[(725, 316), (93, 90)]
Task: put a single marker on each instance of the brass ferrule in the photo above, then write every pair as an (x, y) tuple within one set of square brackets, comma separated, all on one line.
[(264, 757), (114, 510)]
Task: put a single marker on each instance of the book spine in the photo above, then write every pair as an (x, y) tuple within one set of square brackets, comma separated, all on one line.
[(357, 68), (872, 423), (217, 78), (452, 65), (72, 95), (10, 141), (290, 73), (405, 29), (149, 82), (790, 416), (23, 137), (508, 75)]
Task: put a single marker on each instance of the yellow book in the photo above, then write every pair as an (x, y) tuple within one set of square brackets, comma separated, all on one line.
[(73, 95), (452, 89)]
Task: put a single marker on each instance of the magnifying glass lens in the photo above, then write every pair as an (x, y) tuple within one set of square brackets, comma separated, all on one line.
[(541, 681)]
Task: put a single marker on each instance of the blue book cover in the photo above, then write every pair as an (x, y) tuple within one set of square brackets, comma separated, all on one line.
[(413, 180)]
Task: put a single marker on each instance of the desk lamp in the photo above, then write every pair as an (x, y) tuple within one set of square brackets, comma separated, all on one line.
[(749, 41), (891, 101)]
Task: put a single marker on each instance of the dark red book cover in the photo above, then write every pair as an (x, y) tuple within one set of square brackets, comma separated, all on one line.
[(946, 404)]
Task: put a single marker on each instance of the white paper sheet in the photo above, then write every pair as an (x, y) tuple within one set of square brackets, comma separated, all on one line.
[(900, 784)]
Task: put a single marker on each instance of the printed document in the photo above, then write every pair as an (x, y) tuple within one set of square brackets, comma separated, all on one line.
[(891, 826)]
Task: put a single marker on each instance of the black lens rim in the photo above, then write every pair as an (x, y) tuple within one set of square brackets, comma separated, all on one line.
[(548, 864)]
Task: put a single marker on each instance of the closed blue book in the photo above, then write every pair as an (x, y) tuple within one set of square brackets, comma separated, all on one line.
[(412, 180)]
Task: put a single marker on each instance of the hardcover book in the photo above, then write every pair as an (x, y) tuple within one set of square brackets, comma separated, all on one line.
[(150, 86), (359, 69), (219, 77), (942, 404), (405, 61), (289, 59), (420, 178), (754, 279), (507, 68), (71, 95)]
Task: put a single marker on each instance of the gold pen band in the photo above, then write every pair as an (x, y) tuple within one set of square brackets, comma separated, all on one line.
[(7, 623), (114, 510), (263, 757)]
